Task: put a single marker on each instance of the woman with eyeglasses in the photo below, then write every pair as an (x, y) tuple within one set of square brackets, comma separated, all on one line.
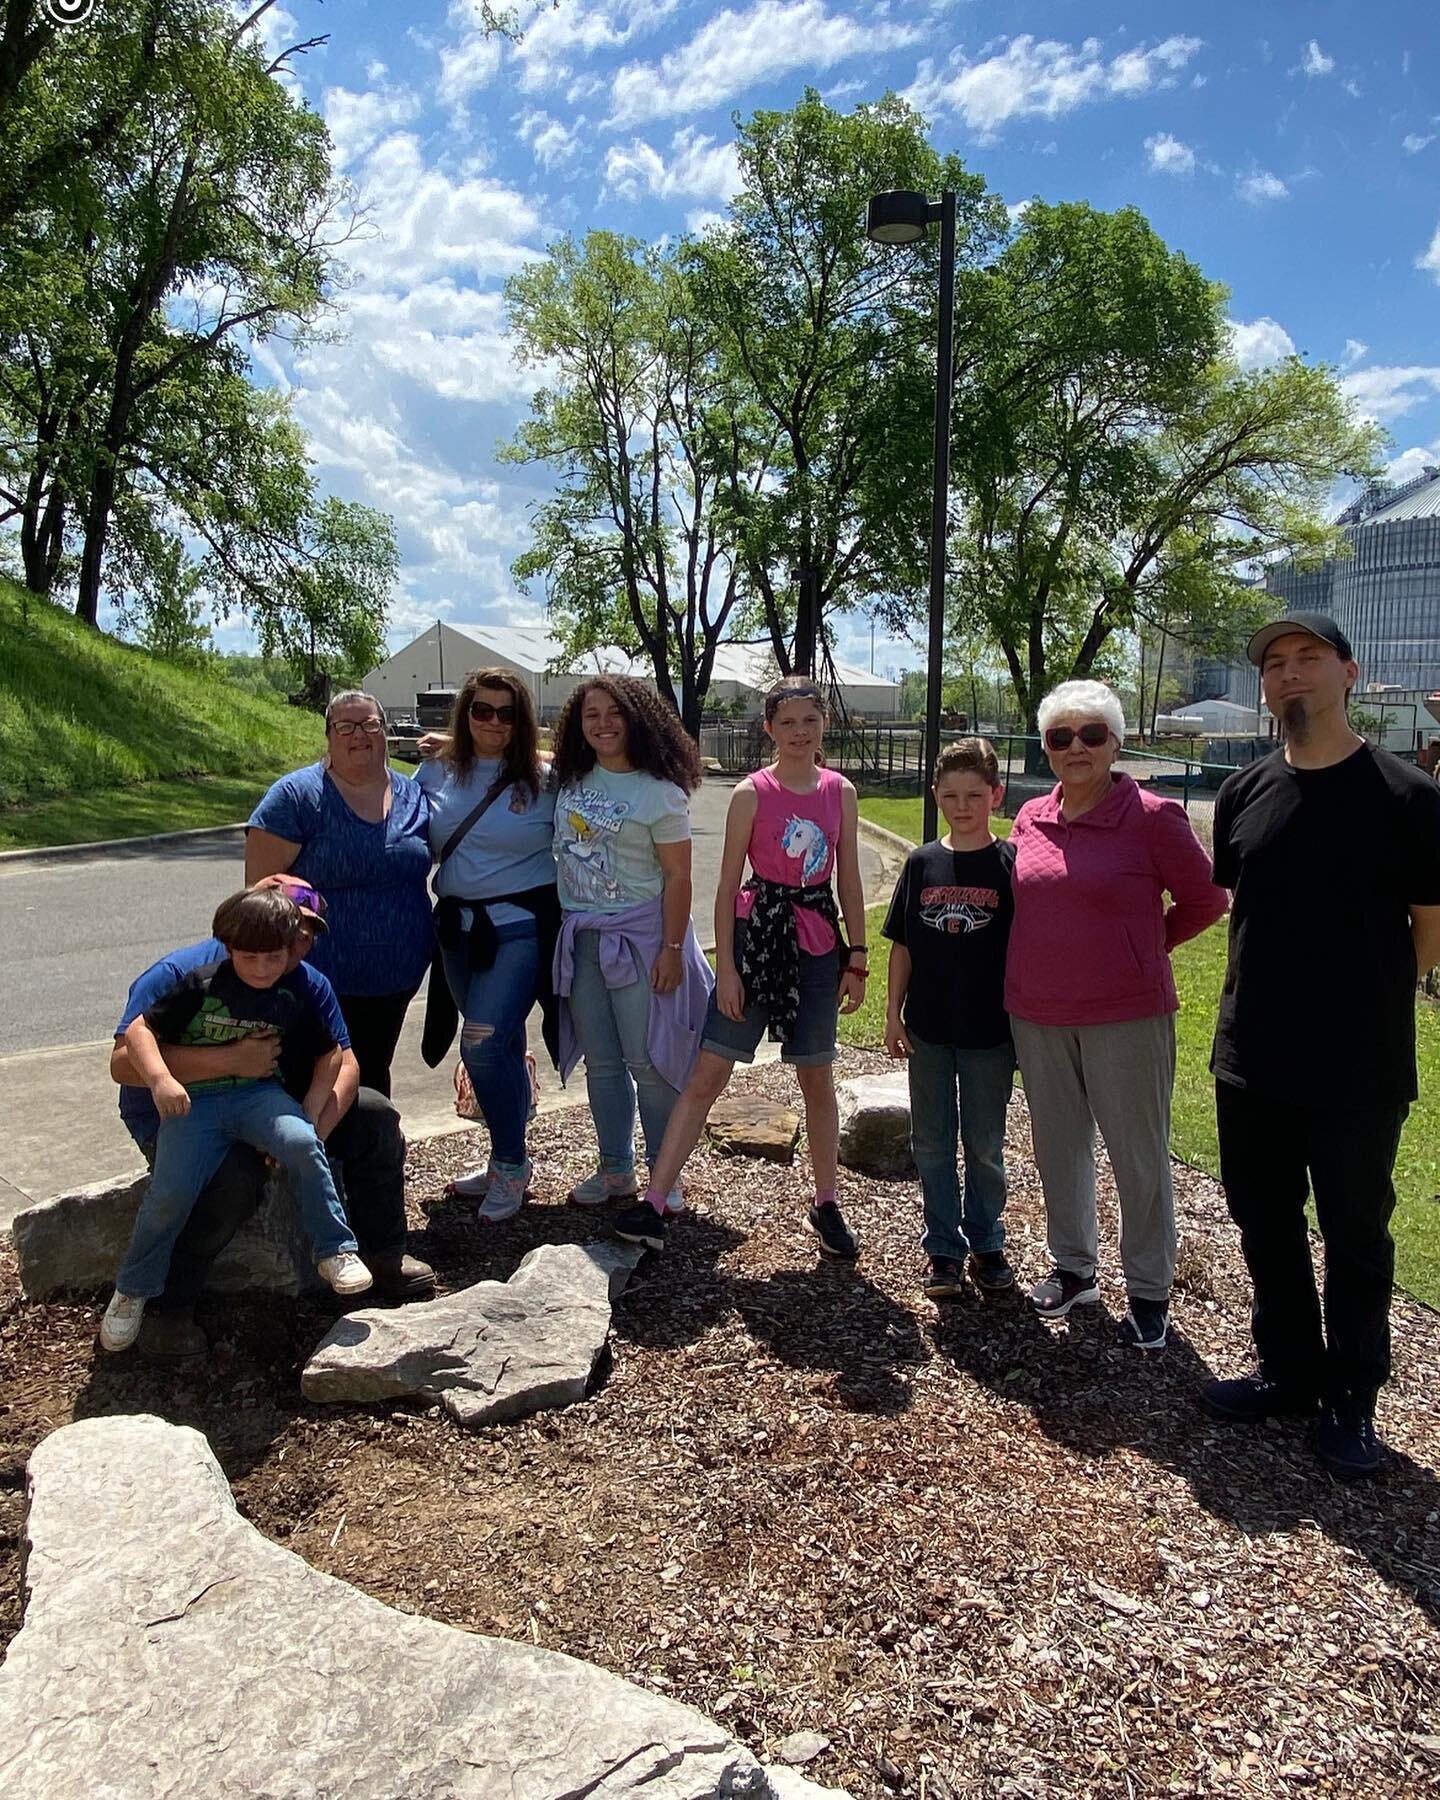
[(1092, 1000), (492, 819), (358, 831)]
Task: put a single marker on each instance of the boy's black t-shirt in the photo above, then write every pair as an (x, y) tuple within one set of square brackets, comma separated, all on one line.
[(212, 1005), (1318, 1006), (952, 910)]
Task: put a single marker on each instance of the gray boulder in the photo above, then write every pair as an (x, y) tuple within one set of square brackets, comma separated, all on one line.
[(497, 1350), (875, 1125), (76, 1240), (168, 1648)]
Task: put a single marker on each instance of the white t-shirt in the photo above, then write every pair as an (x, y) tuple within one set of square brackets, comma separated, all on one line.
[(606, 830)]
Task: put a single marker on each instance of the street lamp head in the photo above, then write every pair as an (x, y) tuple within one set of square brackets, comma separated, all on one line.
[(897, 218)]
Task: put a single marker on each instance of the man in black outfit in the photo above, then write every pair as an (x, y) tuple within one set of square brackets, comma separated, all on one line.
[(1332, 852)]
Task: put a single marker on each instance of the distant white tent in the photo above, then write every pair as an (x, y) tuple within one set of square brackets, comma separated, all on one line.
[(1222, 718)]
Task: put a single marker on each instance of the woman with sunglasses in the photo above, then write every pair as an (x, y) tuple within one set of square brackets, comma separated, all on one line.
[(356, 830), (1092, 1000), (492, 819)]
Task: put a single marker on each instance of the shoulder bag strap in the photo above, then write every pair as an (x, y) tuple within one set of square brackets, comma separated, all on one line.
[(471, 819)]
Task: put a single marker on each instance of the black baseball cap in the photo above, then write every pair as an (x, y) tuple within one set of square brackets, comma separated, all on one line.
[(1317, 625)]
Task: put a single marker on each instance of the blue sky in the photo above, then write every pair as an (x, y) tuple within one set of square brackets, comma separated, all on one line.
[(1292, 151)]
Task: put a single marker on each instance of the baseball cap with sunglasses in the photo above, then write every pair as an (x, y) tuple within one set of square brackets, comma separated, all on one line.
[(1092, 735)]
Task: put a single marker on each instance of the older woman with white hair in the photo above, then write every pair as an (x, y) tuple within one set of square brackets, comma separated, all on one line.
[(1092, 1000)]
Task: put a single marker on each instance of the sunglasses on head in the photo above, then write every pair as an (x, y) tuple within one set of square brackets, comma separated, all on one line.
[(1061, 737), (483, 712), (305, 898)]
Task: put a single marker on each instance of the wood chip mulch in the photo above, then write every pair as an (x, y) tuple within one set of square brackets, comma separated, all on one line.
[(981, 1555)]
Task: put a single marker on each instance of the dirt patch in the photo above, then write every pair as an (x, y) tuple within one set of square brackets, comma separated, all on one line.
[(982, 1555)]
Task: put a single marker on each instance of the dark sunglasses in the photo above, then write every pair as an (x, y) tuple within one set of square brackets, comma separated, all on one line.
[(305, 898), (483, 712), (1061, 737)]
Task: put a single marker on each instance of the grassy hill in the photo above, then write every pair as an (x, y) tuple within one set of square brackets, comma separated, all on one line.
[(99, 739)]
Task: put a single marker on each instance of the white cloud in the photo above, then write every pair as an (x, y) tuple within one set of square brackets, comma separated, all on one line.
[(1430, 259), (357, 122), (698, 169), (1414, 461), (702, 220), (1256, 189), (1389, 393), (1355, 351), (1412, 143), (554, 38), (1168, 156), (550, 142), (1315, 61), (1261, 342), (1040, 78), (734, 51), (429, 224), (449, 340), (467, 67), (1016, 210)]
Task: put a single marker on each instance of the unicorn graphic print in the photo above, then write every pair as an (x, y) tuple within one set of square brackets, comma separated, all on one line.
[(804, 842)]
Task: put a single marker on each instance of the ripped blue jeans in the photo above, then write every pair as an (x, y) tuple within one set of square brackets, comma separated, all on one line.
[(494, 1004)]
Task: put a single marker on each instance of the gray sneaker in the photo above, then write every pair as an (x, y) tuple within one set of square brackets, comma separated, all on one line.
[(1061, 1289)]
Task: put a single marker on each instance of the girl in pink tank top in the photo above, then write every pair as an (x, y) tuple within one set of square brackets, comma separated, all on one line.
[(780, 962)]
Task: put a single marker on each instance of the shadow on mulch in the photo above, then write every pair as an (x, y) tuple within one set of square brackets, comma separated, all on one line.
[(1092, 1397)]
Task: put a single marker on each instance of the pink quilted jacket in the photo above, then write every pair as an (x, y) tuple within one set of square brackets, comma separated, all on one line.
[(1092, 936)]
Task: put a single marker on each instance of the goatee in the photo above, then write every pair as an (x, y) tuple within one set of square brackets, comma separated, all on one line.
[(1295, 719)]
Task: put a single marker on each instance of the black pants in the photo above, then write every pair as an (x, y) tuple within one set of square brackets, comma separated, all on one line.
[(1270, 1153), (374, 1022), (367, 1155)]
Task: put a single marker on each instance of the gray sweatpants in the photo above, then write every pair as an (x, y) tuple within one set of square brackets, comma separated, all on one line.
[(1120, 1078)]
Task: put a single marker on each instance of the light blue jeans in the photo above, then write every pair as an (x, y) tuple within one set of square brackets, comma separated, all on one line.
[(957, 1100), (189, 1150), (494, 1004), (613, 1025)]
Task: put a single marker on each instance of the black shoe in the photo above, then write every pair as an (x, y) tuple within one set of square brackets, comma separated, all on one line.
[(1145, 1326), (400, 1277), (836, 1237), (641, 1224), (1247, 1399), (171, 1337), (991, 1272), (1345, 1438), (1061, 1289), (944, 1279)]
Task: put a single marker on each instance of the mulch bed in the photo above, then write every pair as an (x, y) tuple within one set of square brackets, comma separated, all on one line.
[(980, 1554)]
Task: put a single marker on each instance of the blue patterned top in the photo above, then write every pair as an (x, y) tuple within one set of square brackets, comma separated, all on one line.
[(373, 878)]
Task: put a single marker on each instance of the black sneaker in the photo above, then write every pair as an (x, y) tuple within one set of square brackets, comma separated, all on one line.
[(1145, 1325), (836, 1238), (944, 1279), (991, 1272), (1061, 1289), (641, 1224), (1248, 1399), (1345, 1438)]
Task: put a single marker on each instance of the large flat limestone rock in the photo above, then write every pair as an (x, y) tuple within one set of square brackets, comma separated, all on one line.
[(169, 1651), (497, 1350), (750, 1125)]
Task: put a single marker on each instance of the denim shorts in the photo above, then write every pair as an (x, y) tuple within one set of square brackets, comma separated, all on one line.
[(814, 1039)]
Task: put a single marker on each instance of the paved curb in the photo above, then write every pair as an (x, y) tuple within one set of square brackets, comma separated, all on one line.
[(109, 846), (884, 838)]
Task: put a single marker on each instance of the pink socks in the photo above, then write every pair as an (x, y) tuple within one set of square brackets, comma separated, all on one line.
[(655, 1197), (825, 1197)]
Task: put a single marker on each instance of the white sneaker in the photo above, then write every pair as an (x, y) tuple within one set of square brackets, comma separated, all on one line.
[(602, 1187), (345, 1273), (675, 1202), (506, 1194), (472, 1186), (123, 1318)]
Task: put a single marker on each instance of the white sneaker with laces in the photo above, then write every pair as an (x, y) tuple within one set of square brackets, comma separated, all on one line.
[(345, 1273), (602, 1187), (506, 1194), (123, 1318)]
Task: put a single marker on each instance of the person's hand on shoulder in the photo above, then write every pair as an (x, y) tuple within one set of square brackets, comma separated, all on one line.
[(432, 743)]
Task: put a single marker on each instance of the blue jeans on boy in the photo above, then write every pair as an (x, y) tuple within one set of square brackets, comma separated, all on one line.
[(188, 1151), (958, 1098), (494, 1004), (613, 1026)]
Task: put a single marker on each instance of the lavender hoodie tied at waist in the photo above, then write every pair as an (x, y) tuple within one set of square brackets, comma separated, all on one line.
[(676, 1019)]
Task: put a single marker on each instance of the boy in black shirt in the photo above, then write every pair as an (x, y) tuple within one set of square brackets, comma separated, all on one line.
[(1332, 851), (949, 925)]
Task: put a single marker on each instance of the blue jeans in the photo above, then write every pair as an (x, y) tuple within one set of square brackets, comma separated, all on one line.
[(960, 1095), (495, 1003), (613, 1026), (189, 1150)]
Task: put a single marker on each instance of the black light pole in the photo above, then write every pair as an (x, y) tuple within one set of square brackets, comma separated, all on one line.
[(901, 218)]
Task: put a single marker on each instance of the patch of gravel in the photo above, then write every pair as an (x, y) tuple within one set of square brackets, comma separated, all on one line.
[(980, 1554)]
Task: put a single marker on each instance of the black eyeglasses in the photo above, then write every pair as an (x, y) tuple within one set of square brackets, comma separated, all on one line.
[(348, 727), (482, 712), (1061, 737)]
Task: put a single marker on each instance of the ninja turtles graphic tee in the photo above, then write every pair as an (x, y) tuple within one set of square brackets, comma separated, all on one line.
[(606, 830), (952, 911)]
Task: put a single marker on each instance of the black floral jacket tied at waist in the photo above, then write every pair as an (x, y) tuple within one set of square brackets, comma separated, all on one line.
[(770, 958), (479, 944)]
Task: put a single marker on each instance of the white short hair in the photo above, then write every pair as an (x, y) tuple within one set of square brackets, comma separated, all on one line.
[(1092, 699)]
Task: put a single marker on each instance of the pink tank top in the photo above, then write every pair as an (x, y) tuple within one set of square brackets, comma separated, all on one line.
[(793, 841)]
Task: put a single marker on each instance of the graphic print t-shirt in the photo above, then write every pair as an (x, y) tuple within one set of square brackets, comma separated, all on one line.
[(212, 1005), (952, 910), (606, 830)]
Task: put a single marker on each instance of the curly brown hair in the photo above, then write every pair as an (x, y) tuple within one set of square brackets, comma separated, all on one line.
[(655, 740), (520, 764)]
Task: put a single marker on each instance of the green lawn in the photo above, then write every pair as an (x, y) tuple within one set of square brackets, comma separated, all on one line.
[(1199, 970), (148, 808)]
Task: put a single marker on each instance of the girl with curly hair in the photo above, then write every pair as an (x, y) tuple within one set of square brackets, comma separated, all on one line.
[(632, 983)]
